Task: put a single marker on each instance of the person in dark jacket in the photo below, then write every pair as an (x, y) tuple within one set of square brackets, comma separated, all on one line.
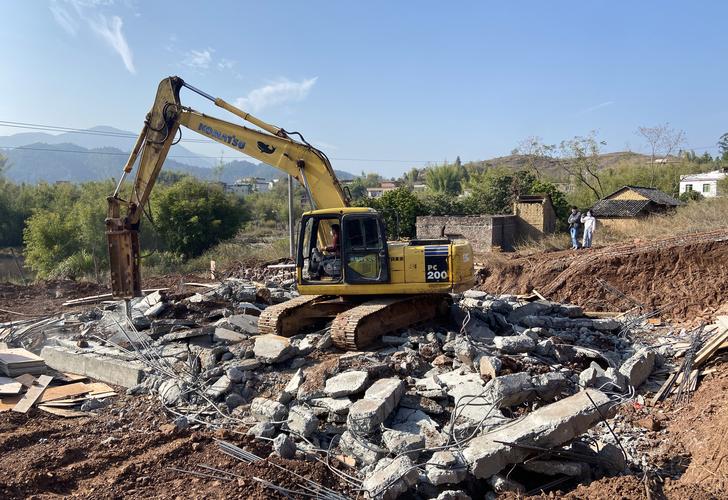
[(574, 224)]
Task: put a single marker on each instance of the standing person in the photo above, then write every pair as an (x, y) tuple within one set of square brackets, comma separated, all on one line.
[(574, 222), (590, 223)]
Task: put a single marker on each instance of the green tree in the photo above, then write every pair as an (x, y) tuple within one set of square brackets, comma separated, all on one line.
[(689, 196), (493, 191), (358, 189), (432, 203), (399, 209), (723, 146), (193, 216), (444, 179)]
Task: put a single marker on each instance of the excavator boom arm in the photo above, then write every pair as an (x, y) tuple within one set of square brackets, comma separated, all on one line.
[(273, 146)]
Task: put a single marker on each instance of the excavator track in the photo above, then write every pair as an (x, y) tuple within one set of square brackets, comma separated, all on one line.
[(361, 325), (272, 318)]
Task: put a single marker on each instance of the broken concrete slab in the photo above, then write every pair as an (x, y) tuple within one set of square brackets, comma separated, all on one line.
[(548, 426), (112, 371), (241, 323), (418, 422), (638, 367), (511, 390), (220, 387), (302, 421), (555, 467), (472, 400), (272, 349), (536, 308), (392, 480), (291, 388), (334, 405), (346, 383), (248, 364), (489, 366), (264, 409), (284, 447), (514, 344), (446, 467), (399, 442), (379, 401), (262, 429), (502, 484), (364, 452), (228, 336), (164, 326), (170, 391)]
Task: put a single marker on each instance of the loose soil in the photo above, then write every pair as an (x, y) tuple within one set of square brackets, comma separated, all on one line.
[(123, 453), (684, 277)]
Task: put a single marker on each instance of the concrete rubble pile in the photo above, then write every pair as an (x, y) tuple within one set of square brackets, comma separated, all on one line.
[(497, 399)]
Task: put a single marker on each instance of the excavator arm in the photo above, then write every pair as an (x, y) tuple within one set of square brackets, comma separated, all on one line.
[(272, 145)]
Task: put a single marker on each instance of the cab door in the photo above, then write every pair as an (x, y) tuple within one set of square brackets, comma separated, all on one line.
[(364, 249)]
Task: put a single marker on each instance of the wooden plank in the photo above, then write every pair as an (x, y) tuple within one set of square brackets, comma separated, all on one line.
[(26, 379), (70, 377), (204, 285), (65, 391), (10, 386), (33, 394), (98, 298), (710, 348), (661, 393), (65, 403), (99, 388), (18, 356), (7, 403), (63, 412), (101, 395)]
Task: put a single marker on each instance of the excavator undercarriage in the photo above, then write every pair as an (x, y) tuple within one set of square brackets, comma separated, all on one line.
[(356, 321)]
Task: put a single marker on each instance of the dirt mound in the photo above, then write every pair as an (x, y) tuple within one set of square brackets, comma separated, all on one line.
[(684, 276), (122, 453)]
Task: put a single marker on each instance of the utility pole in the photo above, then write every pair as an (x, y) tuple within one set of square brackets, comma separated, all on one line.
[(291, 236)]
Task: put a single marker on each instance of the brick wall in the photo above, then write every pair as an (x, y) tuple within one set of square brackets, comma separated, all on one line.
[(534, 219), (484, 232)]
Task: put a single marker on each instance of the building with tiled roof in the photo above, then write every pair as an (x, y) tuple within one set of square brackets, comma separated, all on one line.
[(630, 203)]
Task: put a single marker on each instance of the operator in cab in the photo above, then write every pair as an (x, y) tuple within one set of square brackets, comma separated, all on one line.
[(329, 256)]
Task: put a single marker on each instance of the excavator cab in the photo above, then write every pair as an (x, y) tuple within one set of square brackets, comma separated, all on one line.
[(348, 245)]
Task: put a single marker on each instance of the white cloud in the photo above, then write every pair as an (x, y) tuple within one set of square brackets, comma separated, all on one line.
[(225, 64), (198, 59), (595, 107), (110, 31), (64, 19), (276, 93)]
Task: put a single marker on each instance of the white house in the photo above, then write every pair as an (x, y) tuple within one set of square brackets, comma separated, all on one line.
[(705, 184)]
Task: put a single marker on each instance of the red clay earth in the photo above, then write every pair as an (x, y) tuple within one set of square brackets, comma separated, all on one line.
[(686, 276)]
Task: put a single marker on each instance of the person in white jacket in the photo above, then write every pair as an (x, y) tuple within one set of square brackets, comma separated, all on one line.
[(589, 223)]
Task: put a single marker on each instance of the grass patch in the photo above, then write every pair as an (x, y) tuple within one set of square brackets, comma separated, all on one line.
[(694, 217)]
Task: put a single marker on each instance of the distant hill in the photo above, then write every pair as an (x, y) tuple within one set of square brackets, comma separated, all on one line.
[(100, 153), (98, 138), (551, 168)]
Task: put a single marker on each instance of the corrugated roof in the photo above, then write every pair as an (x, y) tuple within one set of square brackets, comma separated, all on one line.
[(619, 208), (652, 194)]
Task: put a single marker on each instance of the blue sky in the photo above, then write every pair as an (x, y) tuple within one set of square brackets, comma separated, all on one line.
[(405, 82)]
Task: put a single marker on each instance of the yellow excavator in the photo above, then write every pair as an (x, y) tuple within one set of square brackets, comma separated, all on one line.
[(346, 269)]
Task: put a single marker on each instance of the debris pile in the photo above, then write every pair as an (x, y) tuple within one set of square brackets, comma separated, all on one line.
[(508, 395)]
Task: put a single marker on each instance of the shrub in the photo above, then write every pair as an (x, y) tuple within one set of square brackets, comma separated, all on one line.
[(193, 216)]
